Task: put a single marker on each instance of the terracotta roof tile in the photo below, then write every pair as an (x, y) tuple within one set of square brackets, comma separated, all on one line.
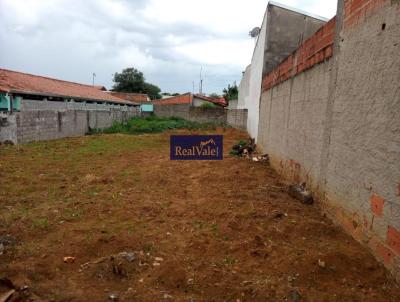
[(187, 99), (131, 97), (220, 101), (180, 99), (12, 81)]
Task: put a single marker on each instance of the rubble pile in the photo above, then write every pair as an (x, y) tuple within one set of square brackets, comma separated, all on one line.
[(248, 149)]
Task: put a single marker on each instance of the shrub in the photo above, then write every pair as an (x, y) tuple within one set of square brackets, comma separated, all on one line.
[(153, 124), (208, 105)]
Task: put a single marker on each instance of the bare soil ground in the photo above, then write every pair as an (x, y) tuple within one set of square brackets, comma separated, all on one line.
[(191, 231)]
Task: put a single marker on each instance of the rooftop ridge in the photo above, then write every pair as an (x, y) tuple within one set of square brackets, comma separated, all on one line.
[(47, 78)]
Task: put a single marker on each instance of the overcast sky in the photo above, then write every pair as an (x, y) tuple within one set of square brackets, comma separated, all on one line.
[(169, 40)]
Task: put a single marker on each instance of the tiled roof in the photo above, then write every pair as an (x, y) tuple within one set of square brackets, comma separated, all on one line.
[(131, 97), (100, 87), (220, 101), (187, 99), (180, 99), (18, 82)]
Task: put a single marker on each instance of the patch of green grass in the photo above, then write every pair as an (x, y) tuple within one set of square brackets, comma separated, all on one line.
[(229, 261), (208, 105), (198, 225), (214, 228), (41, 223), (153, 124)]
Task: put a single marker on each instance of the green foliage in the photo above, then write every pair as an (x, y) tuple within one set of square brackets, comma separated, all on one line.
[(232, 92), (154, 124), (40, 223), (153, 91), (208, 105), (132, 80), (214, 95), (234, 153), (170, 94)]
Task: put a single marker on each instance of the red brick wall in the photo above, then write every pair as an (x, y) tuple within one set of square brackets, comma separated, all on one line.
[(313, 51), (355, 11), (320, 46)]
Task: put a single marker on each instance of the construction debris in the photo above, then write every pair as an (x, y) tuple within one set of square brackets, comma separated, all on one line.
[(247, 149), (113, 297), (129, 256), (299, 192), (243, 148)]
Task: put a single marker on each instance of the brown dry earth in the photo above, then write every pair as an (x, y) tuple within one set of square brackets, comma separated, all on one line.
[(191, 231)]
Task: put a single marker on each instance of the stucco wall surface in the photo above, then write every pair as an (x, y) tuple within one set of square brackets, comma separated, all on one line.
[(195, 114), (336, 124), (237, 118)]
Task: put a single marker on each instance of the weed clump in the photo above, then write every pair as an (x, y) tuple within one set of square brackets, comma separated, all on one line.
[(153, 124)]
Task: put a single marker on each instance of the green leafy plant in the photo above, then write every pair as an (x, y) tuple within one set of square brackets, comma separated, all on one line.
[(208, 105), (153, 124)]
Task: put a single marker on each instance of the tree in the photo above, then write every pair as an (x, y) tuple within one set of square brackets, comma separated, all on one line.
[(152, 91), (232, 92), (132, 80), (214, 95)]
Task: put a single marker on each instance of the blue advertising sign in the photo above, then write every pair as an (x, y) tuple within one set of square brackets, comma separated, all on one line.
[(196, 147)]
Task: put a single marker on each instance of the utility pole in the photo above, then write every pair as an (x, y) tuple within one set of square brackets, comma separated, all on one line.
[(201, 81), (93, 76), (193, 87)]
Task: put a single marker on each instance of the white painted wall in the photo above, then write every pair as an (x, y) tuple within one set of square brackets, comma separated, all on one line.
[(244, 89), (256, 70), (198, 102)]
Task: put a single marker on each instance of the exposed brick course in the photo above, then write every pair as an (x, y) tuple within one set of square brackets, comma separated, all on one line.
[(314, 50), (393, 239), (377, 203)]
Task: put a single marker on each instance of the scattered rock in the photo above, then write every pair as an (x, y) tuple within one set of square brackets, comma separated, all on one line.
[(129, 256), (113, 297), (7, 240), (118, 268), (279, 215), (69, 259), (1, 249), (166, 296), (321, 263), (159, 259), (294, 296), (299, 192)]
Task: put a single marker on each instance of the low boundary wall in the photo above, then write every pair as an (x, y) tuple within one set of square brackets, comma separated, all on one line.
[(237, 118), (195, 114), (36, 125)]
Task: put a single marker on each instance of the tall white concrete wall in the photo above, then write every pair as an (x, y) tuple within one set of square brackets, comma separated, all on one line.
[(244, 89), (257, 65), (282, 31)]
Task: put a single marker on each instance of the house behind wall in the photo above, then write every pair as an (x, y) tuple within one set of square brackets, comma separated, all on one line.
[(282, 31), (39, 108)]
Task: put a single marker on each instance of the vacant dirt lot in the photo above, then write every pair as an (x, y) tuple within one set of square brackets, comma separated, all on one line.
[(144, 228)]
